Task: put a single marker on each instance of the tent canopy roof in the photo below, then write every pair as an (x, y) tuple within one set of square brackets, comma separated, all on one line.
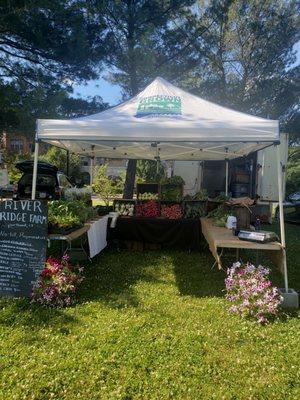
[(162, 121)]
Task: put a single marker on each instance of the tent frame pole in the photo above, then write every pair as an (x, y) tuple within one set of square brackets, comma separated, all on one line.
[(226, 177), (35, 168), (281, 217), (91, 170)]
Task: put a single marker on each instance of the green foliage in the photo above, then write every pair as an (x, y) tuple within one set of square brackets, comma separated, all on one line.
[(293, 171), (173, 180), (137, 48), (11, 159), (136, 37), (171, 188), (58, 157), (44, 46), (201, 195), (219, 215), (241, 55), (106, 188), (149, 171), (195, 210), (74, 193), (23, 104), (143, 319), (64, 214), (221, 198)]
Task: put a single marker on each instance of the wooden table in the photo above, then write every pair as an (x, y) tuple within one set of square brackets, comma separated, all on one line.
[(217, 237), (70, 237)]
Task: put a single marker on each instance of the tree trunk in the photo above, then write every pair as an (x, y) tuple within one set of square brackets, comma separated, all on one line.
[(130, 178), (131, 166)]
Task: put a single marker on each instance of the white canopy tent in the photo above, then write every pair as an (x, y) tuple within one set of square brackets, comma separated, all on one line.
[(184, 126), (164, 122)]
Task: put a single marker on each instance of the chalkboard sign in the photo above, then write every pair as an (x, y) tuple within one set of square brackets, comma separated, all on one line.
[(23, 242)]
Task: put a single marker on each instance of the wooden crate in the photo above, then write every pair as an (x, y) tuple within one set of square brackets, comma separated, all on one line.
[(147, 188)]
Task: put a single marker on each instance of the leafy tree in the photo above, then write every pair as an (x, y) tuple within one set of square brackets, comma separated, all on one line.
[(45, 39), (293, 171), (105, 187), (45, 45), (134, 28), (58, 157), (149, 171), (236, 53), (291, 125), (22, 105), (244, 57), (10, 159)]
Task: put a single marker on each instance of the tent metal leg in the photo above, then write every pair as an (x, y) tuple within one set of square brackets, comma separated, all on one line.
[(91, 170), (281, 218), (226, 179), (35, 165)]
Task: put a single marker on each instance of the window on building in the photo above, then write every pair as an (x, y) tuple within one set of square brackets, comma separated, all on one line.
[(16, 144)]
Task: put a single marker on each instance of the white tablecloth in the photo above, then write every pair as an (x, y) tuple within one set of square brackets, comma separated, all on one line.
[(97, 236)]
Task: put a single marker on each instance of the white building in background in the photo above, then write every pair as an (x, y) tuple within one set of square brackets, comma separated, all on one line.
[(115, 166)]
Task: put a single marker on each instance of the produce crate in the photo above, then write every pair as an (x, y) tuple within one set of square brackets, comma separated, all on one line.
[(148, 208), (142, 188), (195, 208), (171, 209), (172, 192), (126, 207), (243, 216)]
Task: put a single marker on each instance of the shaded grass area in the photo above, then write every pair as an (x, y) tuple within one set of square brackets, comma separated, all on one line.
[(150, 325)]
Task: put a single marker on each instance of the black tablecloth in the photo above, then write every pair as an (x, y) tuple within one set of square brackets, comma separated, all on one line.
[(184, 233)]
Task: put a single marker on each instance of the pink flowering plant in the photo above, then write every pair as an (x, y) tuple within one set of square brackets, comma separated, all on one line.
[(58, 282), (250, 291)]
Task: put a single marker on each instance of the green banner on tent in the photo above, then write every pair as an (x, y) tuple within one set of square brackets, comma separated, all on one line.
[(159, 105)]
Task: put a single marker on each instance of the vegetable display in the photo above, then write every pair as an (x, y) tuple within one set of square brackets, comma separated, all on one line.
[(201, 195), (195, 210), (149, 209), (173, 180), (221, 198), (219, 216), (148, 196), (172, 211), (65, 215), (126, 209), (171, 192), (171, 188)]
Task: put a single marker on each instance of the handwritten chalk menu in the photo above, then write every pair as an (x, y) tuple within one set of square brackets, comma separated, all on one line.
[(23, 240)]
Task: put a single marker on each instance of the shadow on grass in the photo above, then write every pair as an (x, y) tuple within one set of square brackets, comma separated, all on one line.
[(195, 276), (112, 275), (23, 312)]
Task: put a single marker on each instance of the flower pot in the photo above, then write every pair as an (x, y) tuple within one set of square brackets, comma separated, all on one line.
[(290, 298)]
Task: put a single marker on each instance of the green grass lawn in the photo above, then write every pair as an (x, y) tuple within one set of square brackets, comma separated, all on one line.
[(150, 326)]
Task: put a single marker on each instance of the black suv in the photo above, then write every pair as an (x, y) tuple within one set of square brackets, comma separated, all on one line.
[(50, 183)]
